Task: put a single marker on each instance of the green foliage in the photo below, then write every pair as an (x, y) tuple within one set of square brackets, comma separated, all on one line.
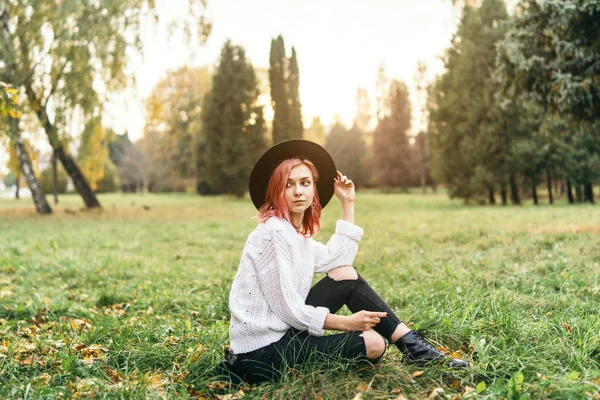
[(10, 179), (469, 134), (316, 132), (93, 152), (128, 159), (232, 124), (392, 159), (47, 180), (69, 55), (173, 145), (348, 150), (551, 54), (110, 179), (512, 290), (296, 127), (284, 78), (279, 93)]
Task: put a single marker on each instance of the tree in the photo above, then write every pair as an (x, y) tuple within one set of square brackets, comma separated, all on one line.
[(128, 159), (61, 52), (381, 90), (10, 117), (470, 133), (296, 126), (279, 95), (93, 152), (348, 150), (363, 110), (550, 55), (391, 149), (47, 180), (284, 78), (173, 120), (232, 123), (316, 132)]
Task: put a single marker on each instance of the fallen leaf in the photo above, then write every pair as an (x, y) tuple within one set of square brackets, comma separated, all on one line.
[(362, 387), (436, 393), (217, 385), (417, 373), (401, 397)]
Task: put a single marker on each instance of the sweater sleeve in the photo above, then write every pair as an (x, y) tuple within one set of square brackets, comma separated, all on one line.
[(275, 277), (340, 249)]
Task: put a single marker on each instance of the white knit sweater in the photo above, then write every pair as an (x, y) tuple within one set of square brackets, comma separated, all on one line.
[(273, 280)]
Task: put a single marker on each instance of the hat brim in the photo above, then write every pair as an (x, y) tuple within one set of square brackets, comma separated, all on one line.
[(264, 167)]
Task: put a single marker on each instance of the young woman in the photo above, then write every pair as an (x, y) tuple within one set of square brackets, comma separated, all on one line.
[(277, 319)]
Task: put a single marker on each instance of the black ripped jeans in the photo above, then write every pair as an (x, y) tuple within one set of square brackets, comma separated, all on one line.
[(296, 347)]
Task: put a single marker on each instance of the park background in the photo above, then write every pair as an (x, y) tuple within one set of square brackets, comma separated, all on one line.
[(128, 130)]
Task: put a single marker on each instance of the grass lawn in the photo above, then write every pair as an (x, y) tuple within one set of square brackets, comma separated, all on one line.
[(131, 302)]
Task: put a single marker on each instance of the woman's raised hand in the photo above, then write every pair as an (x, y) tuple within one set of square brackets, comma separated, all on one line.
[(343, 188), (364, 320)]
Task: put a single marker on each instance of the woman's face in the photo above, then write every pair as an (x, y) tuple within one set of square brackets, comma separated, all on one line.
[(299, 190)]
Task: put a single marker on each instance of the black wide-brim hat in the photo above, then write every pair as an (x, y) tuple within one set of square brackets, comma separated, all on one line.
[(264, 167)]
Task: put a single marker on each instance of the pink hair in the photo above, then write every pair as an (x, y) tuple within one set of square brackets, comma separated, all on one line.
[(276, 206)]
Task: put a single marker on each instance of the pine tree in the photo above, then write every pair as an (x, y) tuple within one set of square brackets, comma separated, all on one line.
[(391, 149), (279, 95), (295, 108), (232, 124)]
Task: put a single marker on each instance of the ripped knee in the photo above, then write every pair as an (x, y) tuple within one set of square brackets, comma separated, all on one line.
[(343, 273), (374, 344)]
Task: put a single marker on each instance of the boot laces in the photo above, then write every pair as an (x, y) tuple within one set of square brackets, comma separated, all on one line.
[(420, 335)]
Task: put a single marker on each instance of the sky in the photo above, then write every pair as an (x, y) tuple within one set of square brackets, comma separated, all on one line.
[(340, 45)]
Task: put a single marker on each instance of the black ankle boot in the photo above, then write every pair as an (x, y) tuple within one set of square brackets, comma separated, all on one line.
[(418, 351)]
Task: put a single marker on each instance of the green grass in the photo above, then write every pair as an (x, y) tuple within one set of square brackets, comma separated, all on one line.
[(131, 302)]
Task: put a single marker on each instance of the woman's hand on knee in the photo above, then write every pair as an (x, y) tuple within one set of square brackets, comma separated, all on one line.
[(364, 320)]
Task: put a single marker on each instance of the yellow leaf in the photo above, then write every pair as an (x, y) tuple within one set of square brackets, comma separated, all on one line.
[(417, 373), (436, 393), (362, 387)]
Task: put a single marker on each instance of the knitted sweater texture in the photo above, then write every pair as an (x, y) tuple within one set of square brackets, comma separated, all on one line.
[(274, 277)]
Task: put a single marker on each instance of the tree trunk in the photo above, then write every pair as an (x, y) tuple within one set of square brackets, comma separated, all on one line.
[(588, 192), (514, 190), (423, 182), (562, 188), (534, 191), (55, 177), (79, 181), (37, 193), (578, 193), (17, 186), (503, 194), (491, 197), (549, 184), (570, 192), (81, 184)]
